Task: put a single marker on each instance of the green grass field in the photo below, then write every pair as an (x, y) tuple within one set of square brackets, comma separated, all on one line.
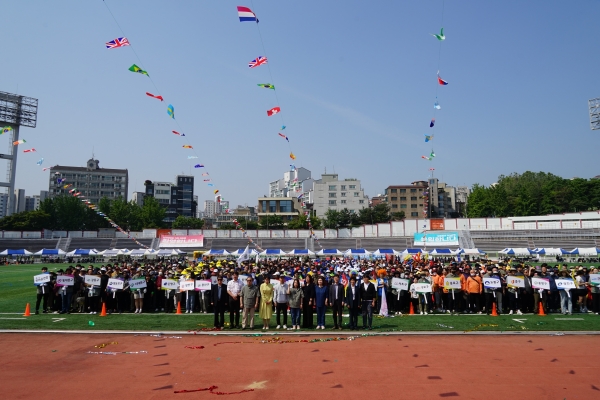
[(16, 289)]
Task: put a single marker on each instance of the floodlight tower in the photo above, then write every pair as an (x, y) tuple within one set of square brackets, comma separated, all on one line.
[(594, 106), (15, 111)]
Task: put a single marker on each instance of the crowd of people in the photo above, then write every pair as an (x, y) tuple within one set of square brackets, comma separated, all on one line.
[(297, 289)]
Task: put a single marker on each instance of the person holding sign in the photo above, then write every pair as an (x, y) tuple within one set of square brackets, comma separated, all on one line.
[(452, 291), (43, 291), (492, 286), (581, 290), (566, 303), (512, 292)]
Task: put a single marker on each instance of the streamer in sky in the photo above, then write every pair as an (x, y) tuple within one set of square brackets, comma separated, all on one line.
[(205, 174), (40, 162), (198, 166), (45, 169), (283, 127), (257, 62), (187, 146), (29, 151), (432, 123), (210, 184), (441, 81), (273, 111), (266, 86), (192, 157), (18, 142), (436, 105), (177, 133), (6, 129), (171, 111), (135, 68), (246, 15), (428, 138), (207, 180), (118, 42), (283, 136), (292, 156), (216, 191), (431, 156), (439, 37), (155, 96)]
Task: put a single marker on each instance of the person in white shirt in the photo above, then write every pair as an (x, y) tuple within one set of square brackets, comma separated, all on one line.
[(281, 299), (234, 287)]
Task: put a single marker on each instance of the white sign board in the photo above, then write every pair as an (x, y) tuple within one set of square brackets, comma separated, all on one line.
[(515, 281), (41, 278), (137, 283), (400, 284), (594, 279), (202, 285), (565, 283), (492, 283), (452, 283), (540, 283), (187, 285), (116, 283), (422, 287), (169, 284), (92, 280), (65, 280)]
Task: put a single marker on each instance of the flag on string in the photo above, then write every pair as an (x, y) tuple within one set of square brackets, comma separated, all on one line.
[(283, 136), (171, 111), (437, 106), (198, 166), (187, 146), (18, 142), (283, 127), (273, 111), (118, 42), (428, 138), (177, 133), (29, 151), (45, 169), (155, 96), (207, 180), (432, 169), (135, 68), (6, 129), (216, 191), (205, 174), (192, 157), (40, 162), (245, 14), (257, 62), (441, 81), (210, 184), (292, 156), (266, 86), (432, 123)]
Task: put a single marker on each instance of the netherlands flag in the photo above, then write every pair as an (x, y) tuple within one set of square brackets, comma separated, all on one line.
[(246, 14)]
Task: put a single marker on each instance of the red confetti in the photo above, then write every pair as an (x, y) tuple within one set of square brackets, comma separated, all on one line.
[(194, 347), (211, 389)]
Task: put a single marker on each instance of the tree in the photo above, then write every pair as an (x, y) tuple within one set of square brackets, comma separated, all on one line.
[(398, 216), (182, 222), (227, 227), (271, 222), (373, 215), (26, 221), (126, 214), (152, 213), (300, 222), (69, 213), (247, 224)]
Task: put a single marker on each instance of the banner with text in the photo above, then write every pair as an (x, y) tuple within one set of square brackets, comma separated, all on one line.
[(436, 239), (189, 241)]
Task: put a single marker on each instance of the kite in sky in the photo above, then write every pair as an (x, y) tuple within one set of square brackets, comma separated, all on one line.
[(266, 85), (441, 81), (431, 156), (432, 123), (155, 96), (171, 111), (187, 146), (29, 151), (292, 156), (439, 37), (246, 14), (206, 180), (283, 127), (198, 166), (273, 111), (135, 68), (177, 133), (118, 42), (19, 142), (210, 184), (205, 174), (257, 62), (283, 136), (40, 162), (293, 167), (428, 138), (45, 169), (6, 129), (436, 105), (192, 157), (216, 191)]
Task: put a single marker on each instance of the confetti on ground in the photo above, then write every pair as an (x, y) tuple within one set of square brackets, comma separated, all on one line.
[(211, 389), (194, 347), (103, 345), (114, 353)]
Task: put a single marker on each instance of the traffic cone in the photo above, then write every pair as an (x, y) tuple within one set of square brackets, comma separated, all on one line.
[(27, 311), (494, 312), (412, 309), (178, 308), (542, 313), (103, 312)]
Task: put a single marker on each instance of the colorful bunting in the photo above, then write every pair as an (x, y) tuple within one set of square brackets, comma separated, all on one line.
[(273, 111), (292, 156), (6, 129), (171, 111), (266, 86), (177, 133), (155, 96), (245, 14), (18, 142), (428, 138), (187, 146), (40, 162), (432, 123), (257, 62), (135, 68), (118, 42), (198, 166), (441, 81), (439, 37), (29, 151), (283, 136)]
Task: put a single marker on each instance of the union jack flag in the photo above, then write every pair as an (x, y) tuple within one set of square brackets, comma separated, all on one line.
[(259, 61), (118, 42)]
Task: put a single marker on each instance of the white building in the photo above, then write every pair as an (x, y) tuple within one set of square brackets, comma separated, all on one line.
[(138, 198), (331, 193), (162, 192), (210, 208), (224, 206), (294, 183)]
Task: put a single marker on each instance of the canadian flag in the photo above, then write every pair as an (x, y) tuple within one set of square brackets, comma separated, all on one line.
[(273, 111)]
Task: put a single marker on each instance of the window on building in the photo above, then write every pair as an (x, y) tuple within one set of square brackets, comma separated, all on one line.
[(332, 195), (413, 198), (402, 205), (402, 190), (361, 202), (394, 205), (343, 201), (332, 202), (394, 190), (285, 206), (352, 186), (356, 194), (413, 206), (402, 198), (414, 214), (394, 199), (332, 187), (413, 190), (343, 194), (351, 211), (272, 206), (343, 187)]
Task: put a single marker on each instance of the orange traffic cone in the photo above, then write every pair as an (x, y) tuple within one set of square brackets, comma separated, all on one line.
[(27, 311), (494, 312), (542, 313), (178, 308), (412, 309), (103, 313)]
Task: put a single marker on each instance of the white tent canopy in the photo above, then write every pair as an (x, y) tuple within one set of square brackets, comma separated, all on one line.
[(470, 251), (516, 251), (584, 251)]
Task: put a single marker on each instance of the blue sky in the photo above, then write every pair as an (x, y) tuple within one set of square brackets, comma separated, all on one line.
[(356, 82)]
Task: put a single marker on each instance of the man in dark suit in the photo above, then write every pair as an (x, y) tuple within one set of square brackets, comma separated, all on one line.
[(367, 297), (219, 302), (336, 301), (352, 301)]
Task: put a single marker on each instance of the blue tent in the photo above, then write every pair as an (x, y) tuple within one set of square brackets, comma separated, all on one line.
[(50, 252), (273, 252), (214, 252), (445, 252), (301, 252), (329, 252), (384, 252), (356, 252), (20, 252), (413, 251)]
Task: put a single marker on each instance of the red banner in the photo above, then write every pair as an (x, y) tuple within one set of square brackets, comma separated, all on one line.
[(436, 224)]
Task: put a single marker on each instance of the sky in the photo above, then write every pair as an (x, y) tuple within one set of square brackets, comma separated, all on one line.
[(356, 83)]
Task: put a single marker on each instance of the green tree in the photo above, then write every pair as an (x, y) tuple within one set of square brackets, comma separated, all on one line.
[(182, 222), (271, 222), (225, 227), (26, 221), (398, 216), (300, 222), (66, 213), (152, 213), (247, 224)]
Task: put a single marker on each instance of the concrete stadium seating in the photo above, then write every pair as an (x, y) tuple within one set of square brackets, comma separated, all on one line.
[(32, 245)]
